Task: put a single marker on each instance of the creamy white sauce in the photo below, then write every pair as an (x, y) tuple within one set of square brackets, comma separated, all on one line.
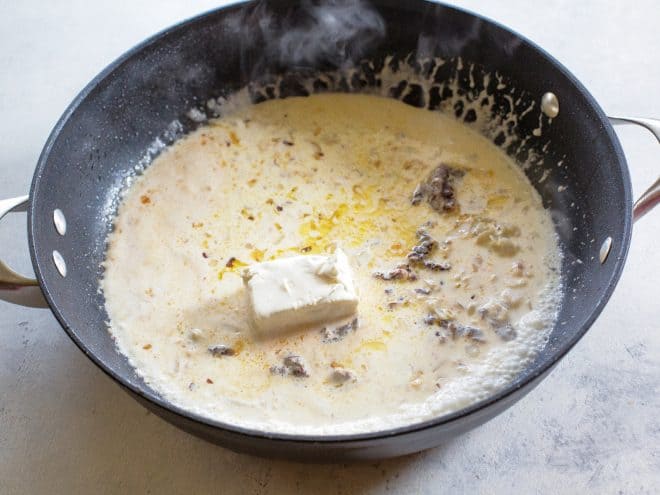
[(294, 176)]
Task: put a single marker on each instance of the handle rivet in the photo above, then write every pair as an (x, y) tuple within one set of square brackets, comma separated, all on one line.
[(605, 248), (60, 221), (550, 105), (59, 262)]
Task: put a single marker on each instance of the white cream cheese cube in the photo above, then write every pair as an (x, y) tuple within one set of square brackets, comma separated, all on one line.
[(301, 290)]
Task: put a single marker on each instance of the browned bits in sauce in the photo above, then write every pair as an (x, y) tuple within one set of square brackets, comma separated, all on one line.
[(204, 255), (401, 272), (439, 189), (279, 208), (295, 366), (234, 138), (146, 347), (246, 213), (291, 365), (417, 258), (220, 350), (306, 249), (251, 182), (197, 225), (230, 262), (208, 380), (286, 142), (442, 266), (335, 334), (145, 200)]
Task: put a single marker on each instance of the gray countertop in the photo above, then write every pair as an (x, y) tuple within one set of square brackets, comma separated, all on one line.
[(593, 426)]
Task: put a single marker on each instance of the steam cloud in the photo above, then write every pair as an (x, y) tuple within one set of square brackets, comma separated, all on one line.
[(336, 31), (333, 33)]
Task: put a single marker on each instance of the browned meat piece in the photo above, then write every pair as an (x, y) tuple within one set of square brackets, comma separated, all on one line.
[(455, 330), (339, 376), (424, 247), (220, 350), (506, 332), (439, 189), (336, 334), (295, 365), (291, 365), (432, 265), (401, 272)]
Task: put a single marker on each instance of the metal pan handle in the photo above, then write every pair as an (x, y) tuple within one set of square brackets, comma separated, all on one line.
[(651, 197), (16, 288)]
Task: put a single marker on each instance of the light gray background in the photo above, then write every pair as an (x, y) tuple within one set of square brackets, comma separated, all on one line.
[(592, 427)]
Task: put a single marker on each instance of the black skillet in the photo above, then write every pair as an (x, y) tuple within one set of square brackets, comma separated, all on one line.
[(110, 125)]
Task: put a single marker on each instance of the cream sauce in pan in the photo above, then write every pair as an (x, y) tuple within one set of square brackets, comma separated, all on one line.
[(436, 331)]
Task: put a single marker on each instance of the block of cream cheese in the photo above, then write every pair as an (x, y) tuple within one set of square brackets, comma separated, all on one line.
[(300, 290)]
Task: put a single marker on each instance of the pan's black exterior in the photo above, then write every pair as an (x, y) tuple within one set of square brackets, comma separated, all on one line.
[(107, 129)]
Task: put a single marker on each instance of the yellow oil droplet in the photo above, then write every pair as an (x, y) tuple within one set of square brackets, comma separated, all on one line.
[(257, 255), (278, 253), (497, 201), (373, 345), (396, 249), (234, 266), (292, 193), (238, 346)]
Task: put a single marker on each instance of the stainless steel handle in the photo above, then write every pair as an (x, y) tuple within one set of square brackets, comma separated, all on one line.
[(16, 288), (651, 197)]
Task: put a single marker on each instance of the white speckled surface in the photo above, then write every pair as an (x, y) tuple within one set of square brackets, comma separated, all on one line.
[(592, 427)]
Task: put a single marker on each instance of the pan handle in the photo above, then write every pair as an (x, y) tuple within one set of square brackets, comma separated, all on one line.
[(16, 288), (651, 197)]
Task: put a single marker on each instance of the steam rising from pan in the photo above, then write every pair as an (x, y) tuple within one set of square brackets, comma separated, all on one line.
[(330, 33), (334, 28)]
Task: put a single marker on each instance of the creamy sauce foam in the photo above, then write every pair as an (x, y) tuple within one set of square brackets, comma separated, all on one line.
[(294, 176)]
